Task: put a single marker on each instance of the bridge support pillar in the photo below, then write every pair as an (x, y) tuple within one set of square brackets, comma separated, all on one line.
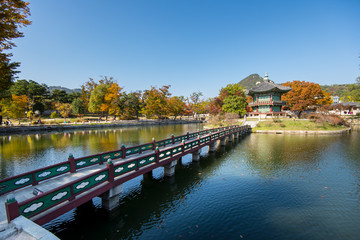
[(148, 176), (222, 142), (110, 199), (236, 135), (196, 155), (169, 169), (230, 137), (212, 147)]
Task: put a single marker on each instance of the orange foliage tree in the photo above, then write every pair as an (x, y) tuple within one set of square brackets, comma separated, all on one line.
[(156, 101), (305, 95), (176, 106)]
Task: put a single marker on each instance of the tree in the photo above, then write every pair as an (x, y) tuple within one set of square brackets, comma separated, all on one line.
[(35, 92), (7, 76), (59, 96), (196, 102), (64, 109), (231, 99), (352, 94), (97, 98), (215, 106), (130, 105), (156, 101), (304, 95), (86, 90), (77, 106), (17, 107), (176, 106), (13, 16), (111, 99), (235, 104)]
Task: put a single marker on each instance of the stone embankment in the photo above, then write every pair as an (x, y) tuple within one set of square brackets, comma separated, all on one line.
[(75, 126)]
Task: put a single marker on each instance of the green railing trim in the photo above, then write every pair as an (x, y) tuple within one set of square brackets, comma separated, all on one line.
[(52, 172), (87, 161), (111, 155), (165, 154), (125, 167), (13, 184), (48, 200), (147, 147), (131, 151), (90, 181), (147, 160)]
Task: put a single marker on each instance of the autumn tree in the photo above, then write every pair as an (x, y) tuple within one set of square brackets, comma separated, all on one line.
[(305, 95), (13, 16), (111, 99), (130, 105), (17, 107), (86, 90), (195, 103), (35, 92), (64, 109), (104, 97), (176, 106), (156, 101), (215, 106)]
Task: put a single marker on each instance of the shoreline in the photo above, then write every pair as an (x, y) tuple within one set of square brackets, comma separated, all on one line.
[(74, 126), (305, 132)]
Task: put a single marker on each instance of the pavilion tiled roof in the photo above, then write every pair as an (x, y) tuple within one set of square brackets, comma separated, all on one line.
[(268, 85)]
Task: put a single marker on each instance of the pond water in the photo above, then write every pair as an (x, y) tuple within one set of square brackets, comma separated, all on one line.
[(260, 187)]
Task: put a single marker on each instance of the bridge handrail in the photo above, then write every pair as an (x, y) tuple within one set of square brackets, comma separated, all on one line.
[(69, 191), (35, 176)]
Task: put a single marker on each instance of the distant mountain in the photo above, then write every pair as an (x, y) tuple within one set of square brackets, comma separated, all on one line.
[(67, 90), (251, 80)]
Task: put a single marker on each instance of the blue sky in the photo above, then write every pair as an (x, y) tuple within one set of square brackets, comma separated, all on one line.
[(192, 45)]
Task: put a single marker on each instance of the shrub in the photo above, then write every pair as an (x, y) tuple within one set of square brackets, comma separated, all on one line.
[(54, 115), (319, 118)]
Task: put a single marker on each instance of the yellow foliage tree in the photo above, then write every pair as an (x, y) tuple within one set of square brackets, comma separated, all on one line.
[(17, 107), (64, 109)]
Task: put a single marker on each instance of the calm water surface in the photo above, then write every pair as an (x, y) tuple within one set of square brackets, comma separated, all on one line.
[(262, 187)]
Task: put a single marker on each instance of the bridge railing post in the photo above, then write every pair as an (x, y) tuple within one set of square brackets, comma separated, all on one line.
[(173, 138), (154, 144), (101, 160), (157, 153), (123, 151), (12, 208), (71, 160), (183, 146), (187, 135), (34, 179), (110, 167)]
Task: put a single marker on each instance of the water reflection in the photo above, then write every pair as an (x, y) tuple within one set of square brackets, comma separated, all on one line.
[(278, 154)]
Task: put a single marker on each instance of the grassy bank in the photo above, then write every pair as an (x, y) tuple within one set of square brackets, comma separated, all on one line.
[(290, 124)]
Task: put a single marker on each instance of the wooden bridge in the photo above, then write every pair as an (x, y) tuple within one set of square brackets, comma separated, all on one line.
[(44, 194)]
